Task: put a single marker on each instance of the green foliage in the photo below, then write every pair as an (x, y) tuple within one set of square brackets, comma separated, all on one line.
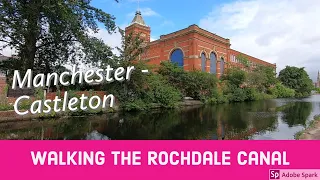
[(217, 97), (243, 60), (39, 93), (280, 91), (81, 112), (239, 86), (199, 84), (5, 89), (135, 105), (251, 94), (262, 78), (160, 91), (153, 89), (235, 77), (142, 90), (132, 47), (297, 113), (195, 84), (47, 34), (237, 95), (5, 106), (297, 79), (129, 52), (173, 73), (269, 73)]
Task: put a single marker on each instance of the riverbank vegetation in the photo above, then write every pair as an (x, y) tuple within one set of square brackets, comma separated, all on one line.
[(307, 133), (165, 86), (297, 79)]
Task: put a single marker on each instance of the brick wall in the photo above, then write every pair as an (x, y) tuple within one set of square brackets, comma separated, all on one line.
[(136, 29), (3, 84), (52, 95), (12, 100), (193, 41)]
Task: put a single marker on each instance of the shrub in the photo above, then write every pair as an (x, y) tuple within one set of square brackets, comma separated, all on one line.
[(251, 94), (39, 93), (160, 91), (238, 95), (217, 97), (297, 79), (280, 91), (195, 84), (235, 77), (136, 105)]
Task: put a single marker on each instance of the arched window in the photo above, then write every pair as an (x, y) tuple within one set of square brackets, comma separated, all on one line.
[(222, 65), (213, 63), (203, 62), (177, 57)]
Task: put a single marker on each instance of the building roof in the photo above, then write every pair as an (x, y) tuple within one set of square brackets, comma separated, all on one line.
[(138, 19)]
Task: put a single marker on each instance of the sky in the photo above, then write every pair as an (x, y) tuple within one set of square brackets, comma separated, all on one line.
[(285, 32)]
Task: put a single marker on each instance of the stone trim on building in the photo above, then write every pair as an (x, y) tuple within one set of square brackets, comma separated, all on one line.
[(193, 41)]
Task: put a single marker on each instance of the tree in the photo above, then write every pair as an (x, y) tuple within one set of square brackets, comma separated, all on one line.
[(131, 48), (262, 77), (297, 79), (235, 77), (195, 84), (243, 60), (233, 81), (48, 33), (269, 73)]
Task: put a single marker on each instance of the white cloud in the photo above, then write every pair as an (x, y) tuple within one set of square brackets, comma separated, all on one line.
[(167, 23), (146, 12), (113, 40), (152, 38), (285, 32), (6, 51)]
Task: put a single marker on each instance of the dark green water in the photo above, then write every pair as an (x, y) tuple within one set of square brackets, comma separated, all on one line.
[(276, 119)]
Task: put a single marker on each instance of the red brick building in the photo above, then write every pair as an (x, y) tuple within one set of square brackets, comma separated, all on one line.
[(191, 48)]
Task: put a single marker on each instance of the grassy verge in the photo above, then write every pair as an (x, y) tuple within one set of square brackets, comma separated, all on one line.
[(312, 125)]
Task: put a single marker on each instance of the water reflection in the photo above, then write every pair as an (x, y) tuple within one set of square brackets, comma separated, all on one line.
[(270, 119), (297, 113), (95, 135)]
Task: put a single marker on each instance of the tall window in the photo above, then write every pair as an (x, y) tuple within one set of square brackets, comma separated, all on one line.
[(203, 62), (213, 63), (177, 57), (222, 66)]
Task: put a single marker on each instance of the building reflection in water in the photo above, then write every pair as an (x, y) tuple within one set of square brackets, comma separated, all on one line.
[(221, 122)]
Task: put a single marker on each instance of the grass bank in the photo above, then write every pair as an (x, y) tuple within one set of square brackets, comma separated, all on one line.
[(311, 132), (10, 115)]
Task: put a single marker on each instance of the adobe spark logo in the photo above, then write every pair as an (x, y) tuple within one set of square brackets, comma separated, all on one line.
[(274, 174)]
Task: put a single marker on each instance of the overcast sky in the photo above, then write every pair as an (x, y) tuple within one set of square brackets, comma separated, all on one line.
[(286, 32)]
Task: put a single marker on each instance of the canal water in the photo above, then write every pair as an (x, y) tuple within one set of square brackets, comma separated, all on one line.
[(277, 119)]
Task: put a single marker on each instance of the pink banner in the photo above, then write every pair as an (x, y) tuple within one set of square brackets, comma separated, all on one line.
[(256, 160)]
